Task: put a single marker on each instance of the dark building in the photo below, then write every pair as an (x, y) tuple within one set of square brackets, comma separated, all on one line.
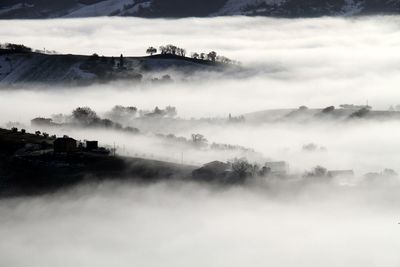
[(65, 145), (92, 145)]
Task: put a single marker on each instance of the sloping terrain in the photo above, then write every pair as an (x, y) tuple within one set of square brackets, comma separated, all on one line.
[(304, 115), (80, 70), (30, 166), (194, 8)]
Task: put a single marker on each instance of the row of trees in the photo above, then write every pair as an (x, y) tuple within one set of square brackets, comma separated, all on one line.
[(175, 50), (167, 50), (18, 48), (124, 114), (213, 56), (85, 116)]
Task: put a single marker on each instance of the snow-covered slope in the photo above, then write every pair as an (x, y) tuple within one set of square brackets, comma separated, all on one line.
[(15, 7), (185, 8), (77, 69), (236, 7), (109, 8)]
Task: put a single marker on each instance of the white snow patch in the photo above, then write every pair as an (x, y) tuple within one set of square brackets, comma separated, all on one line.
[(136, 7), (5, 10), (104, 8), (351, 7), (18, 67), (235, 7), (77, 72)]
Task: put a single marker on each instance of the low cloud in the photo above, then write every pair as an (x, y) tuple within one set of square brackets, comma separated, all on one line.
[(181, 225)]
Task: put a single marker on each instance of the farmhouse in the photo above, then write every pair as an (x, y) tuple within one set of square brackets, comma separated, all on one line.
[(65, 145)]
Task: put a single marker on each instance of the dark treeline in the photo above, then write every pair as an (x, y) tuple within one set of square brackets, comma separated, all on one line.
[(17, 48), (121, 117), (178, 51)]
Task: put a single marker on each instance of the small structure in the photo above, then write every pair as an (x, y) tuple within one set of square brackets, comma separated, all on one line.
[(65, 145), (277, 167), (341, 173), (92, 145)]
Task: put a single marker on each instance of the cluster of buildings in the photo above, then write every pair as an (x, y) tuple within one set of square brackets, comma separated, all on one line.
[(70, 145)]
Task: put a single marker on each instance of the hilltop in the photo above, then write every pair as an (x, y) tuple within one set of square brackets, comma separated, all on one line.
[(21, 64), (303, 114), (33, 163), (17, 9)]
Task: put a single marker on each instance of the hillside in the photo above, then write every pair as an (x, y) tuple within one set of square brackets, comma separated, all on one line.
[(29, 164), (33, 67), (13, 9), (305, 115)]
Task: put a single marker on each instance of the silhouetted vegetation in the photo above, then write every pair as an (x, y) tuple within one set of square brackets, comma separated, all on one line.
[(317, 172), (151, 50), (360, 113), (178, 51), (16, 48), (241, 167)]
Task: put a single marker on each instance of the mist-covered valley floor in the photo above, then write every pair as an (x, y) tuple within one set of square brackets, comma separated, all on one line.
[(187, 224), (293, 69)]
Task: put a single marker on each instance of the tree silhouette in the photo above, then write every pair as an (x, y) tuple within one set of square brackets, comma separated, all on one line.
[(151, 50), (181, 52), (240, 167), (85, 115), (195, 55), (199, 139), (121, 61), (170, 111), (212, 56)]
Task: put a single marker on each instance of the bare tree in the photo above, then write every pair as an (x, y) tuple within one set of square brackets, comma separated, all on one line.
[(121, 61), (163, 50), (199, 139), (181, 52), (151, 50), (170, 111), (241, 167), (195, 55), (85, 115), (171, 49), (212, 56)]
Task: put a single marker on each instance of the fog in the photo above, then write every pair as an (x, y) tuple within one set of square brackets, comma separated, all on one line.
[(287, 63), (313, 62), (181, 225)]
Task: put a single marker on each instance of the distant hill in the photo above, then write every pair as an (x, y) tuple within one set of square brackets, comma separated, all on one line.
[(305, 115), (15, 9), (34, 67)]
